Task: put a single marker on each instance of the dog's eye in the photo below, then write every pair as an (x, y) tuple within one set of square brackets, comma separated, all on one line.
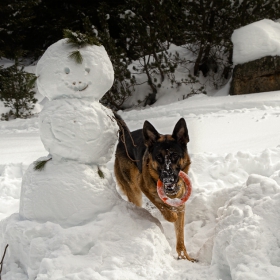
[(174, 157), (159, 158)]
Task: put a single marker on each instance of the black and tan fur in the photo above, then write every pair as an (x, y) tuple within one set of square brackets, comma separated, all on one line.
[(139, 163)]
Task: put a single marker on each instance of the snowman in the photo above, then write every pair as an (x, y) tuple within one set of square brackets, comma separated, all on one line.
[(77, 131)]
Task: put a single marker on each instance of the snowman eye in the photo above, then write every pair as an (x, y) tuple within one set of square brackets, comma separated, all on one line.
[(87, 70), (67, 70)]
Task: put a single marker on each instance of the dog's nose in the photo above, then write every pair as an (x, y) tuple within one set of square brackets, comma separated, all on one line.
[(167, 181), (167, 177)]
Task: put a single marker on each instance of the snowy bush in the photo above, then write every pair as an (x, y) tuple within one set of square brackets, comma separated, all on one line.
[(17, 91), (139, 31)]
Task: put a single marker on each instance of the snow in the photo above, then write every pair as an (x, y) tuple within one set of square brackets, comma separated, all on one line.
[(167, 93), (66, 222), (121, 237), (79, 130), (65, 78), (256, 40), (232, 217), (79, 134), (66, 193)]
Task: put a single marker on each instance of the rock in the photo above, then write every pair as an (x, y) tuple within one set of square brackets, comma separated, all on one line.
[(260, 75)]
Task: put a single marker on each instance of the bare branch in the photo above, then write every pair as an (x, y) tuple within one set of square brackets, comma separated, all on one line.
[(2, 260)]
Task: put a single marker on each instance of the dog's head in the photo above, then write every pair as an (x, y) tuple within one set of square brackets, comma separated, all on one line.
[(168, 154)]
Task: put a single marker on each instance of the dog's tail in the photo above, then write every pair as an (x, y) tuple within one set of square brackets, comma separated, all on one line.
[(123, 129), (126, 139)]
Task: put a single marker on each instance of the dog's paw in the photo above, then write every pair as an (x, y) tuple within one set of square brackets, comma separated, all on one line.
[(187, 258), (183, 255)]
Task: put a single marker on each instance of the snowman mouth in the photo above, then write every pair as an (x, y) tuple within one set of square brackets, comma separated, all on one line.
[(83, 88), (77, 86)]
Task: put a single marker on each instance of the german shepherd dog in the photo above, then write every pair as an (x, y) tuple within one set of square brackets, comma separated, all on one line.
[(144, 156)]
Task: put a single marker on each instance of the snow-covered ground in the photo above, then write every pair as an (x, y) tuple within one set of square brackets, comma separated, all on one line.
[(232, 221), (232, 218)]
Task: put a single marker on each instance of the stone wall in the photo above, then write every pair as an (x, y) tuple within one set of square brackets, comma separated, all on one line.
[(256, 76)]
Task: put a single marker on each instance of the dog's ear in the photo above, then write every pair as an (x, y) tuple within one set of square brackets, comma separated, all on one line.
[(180, 132), (150, 134)]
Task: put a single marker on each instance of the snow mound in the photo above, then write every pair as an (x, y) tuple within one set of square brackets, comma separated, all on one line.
[(233, 218), (124, 243), (247, 234), (79, 130), (256, 40), (60, 76), (10, 182)]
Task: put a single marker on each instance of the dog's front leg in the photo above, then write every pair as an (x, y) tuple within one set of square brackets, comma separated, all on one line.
[(168, 214), (180, 244)]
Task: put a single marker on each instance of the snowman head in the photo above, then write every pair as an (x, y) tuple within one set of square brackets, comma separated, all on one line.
[(60, 76)]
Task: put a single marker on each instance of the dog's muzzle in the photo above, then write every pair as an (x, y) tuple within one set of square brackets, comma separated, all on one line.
[(178, 201), (169, 180)]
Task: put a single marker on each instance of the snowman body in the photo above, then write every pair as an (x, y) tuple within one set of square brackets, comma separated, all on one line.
[(79, 130), (79, 134)]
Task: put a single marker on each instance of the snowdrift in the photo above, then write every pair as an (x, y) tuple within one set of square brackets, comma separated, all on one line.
[(232, 227)]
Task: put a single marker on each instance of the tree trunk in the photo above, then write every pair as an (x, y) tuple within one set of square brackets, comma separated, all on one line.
[(198, 60), (159, 66), (150, 81)]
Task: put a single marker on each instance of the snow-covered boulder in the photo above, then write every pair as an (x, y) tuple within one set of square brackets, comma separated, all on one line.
[(256, 55), (256, 40), (260, 75), (59, 76)]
